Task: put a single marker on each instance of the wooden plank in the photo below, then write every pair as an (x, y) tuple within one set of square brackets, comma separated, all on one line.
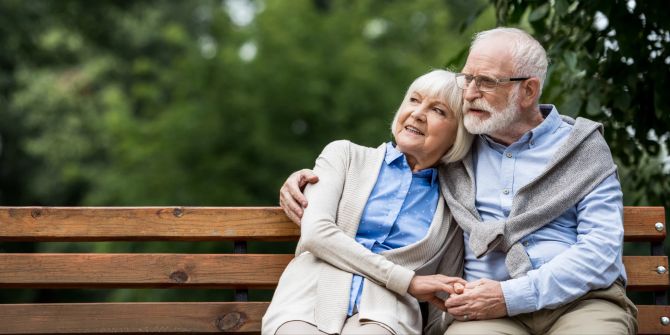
[(642, 274), (181, 318), (102, 318), (649, 319), (145, 223), (141, 270), (203, 223), (205, 271), (639, 223)]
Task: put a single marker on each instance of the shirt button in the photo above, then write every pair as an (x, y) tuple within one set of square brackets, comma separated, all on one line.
[(509, 155), (532, 142), (505, 191), (525, 243)]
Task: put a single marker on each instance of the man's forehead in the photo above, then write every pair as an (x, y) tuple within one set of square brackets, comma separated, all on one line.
[(489, 58)]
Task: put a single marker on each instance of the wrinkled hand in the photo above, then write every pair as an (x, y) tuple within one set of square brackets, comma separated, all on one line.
[(482, 299), (424, 288), (291, 199)]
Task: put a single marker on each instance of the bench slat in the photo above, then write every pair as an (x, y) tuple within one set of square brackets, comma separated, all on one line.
[(212, 317), (181, 318), (145, 224), (639, 223), (642, 275), (649, 319), (203, 224), (203, 270), (141, 270)]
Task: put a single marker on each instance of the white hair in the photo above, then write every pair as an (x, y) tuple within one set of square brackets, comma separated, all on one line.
[(441, 84), (528, 55)]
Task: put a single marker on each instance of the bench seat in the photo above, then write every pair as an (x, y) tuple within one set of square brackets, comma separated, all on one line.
[(237, 270)]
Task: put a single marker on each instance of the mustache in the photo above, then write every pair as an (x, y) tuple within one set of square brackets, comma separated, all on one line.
[(476, 104)]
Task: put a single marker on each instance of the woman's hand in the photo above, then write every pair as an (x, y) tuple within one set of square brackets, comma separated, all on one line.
[(424, 288)]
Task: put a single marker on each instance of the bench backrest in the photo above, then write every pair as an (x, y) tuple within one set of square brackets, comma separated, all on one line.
[(237, 270)]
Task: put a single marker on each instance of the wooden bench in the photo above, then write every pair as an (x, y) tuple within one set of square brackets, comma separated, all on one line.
[(237, 270)]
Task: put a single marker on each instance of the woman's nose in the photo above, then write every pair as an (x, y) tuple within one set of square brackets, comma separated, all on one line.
[(419, 113)]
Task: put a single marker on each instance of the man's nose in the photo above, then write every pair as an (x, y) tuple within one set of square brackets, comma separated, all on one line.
[(471, 92)]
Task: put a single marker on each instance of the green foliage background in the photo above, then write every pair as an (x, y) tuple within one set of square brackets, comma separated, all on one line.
[(158, 102)]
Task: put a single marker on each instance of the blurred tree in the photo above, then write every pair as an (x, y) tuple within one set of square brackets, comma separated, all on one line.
[(160, 102), (209, 103)]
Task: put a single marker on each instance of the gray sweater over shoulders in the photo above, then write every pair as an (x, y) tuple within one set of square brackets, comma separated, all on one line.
[(581, 163)]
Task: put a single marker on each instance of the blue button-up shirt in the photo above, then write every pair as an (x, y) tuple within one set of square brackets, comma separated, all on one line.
[(398, 212), (579, 251)]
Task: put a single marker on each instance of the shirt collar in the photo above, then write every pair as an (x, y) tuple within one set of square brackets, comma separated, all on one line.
[(392, 155), (551, 122)]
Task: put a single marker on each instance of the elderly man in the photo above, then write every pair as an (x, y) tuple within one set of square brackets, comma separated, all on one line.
[(538, 200)]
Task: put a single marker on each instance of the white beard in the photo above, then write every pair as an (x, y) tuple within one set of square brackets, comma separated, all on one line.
[(497, 121)]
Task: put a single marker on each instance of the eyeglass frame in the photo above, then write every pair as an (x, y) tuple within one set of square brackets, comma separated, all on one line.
[(478, 81)]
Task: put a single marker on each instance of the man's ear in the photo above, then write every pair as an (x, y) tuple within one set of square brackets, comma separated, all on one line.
[(530, 92)]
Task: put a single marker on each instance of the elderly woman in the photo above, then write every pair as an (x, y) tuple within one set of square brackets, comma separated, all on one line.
[(377, 227)]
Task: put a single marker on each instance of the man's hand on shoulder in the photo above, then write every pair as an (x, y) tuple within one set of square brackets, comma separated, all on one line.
[(291, 198), (482, 299)]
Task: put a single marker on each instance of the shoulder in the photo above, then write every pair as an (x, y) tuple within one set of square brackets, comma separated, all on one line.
[(348, 148), (339, 148), (582, 124), (583, 129)]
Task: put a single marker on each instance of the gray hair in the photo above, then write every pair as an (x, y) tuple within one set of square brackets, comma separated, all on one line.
[(528, 55), (442, 84)]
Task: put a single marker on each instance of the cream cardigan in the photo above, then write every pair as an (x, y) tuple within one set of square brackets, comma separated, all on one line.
[(315, 285)]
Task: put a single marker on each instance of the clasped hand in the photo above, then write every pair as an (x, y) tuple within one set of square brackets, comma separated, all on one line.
[(478, 300)]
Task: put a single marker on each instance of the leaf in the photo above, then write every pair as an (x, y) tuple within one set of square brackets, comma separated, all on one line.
[(471, 18), (622, 101), (561, 7), (456, 63), (593, 105), (517, 13), (571, 106), (570, 59), (539, 13)]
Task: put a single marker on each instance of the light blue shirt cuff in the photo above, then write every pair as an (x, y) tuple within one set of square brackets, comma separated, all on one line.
[(519, 295)]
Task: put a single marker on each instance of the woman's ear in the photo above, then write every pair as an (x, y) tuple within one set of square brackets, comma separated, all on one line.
[(530, 92)]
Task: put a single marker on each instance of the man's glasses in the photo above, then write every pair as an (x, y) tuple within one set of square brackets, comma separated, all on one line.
[(483, 83)]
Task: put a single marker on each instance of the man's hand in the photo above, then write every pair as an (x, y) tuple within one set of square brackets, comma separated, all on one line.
[(482, 299), (291, 199), (423, 288)]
